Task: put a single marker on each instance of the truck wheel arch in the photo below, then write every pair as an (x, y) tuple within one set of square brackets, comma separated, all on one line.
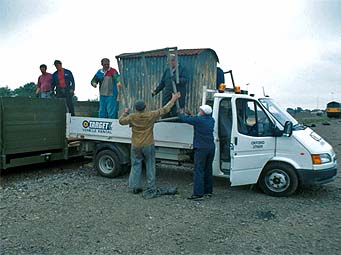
[(122, 150), (278, 179), (115, 152)]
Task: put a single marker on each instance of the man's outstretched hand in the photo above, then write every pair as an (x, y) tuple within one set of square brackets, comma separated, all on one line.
[(175, 96)]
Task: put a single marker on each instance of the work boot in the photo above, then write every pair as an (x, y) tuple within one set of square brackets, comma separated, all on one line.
[(195, 198), (137, 191)]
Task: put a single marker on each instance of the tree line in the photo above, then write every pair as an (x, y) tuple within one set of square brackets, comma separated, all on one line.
[(27, 90)]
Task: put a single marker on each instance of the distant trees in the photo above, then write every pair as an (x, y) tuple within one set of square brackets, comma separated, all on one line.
[(291, 111), (299, 109), (5, 92), (296, 110), (28, 90)]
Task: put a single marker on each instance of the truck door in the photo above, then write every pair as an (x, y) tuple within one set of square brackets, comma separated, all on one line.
[(224, 133), (252, 142)]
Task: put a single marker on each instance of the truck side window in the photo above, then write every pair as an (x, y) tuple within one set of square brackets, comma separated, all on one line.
[(252, 120)]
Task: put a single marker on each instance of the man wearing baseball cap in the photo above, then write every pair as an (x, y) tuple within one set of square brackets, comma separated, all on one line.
[(204, 149), (142, 141)]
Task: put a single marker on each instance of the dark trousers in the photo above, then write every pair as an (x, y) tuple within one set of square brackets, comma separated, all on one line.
[(173, 112), (202, 179), (65, 93)]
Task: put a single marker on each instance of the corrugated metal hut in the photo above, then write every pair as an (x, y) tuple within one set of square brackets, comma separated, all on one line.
[(141, 73)]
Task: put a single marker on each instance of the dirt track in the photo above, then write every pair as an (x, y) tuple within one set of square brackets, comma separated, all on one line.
[(50, 210)]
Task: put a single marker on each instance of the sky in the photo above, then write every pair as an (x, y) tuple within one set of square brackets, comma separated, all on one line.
[(292, 49)]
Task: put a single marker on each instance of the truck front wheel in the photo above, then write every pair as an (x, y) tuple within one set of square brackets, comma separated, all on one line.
[(278, 179), (107, 164)]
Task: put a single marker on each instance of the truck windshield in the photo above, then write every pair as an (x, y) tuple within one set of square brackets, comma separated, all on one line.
[(280, 115)]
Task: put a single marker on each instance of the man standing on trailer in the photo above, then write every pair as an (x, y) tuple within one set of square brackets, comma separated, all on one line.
[(64, 84), (204, 149), (109, 83), (143, 149), (44, 83), (220, 79), (166, 85)]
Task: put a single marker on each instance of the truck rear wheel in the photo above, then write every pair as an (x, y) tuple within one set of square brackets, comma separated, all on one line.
[(278, 179), (107, 164)]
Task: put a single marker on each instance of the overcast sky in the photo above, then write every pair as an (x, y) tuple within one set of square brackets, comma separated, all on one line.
[(291, 48)]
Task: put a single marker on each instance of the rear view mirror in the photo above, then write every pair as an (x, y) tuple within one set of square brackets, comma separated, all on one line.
[(287, 129)]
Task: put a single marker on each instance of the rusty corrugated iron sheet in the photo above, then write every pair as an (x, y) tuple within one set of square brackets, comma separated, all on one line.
[(141, 72)]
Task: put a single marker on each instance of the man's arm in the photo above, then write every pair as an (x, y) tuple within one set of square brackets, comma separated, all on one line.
[(165, 109), (183, 76), (187, 119), (53, 82), (117, 78), (73, 86), (94, 81), (124, 118), (161, 85), (38, 86)]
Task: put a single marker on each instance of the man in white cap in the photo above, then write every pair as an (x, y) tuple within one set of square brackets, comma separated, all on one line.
[(204, 149)]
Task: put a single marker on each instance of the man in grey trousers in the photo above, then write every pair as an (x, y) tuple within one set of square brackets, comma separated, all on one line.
[(142, 143)]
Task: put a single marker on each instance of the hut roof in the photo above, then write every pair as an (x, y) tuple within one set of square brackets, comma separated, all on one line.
[(163, 52)]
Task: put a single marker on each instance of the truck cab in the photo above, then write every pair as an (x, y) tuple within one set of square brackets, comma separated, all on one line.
[(259, 143)]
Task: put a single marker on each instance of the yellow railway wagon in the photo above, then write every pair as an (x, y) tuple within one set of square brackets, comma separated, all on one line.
[(334, 109)]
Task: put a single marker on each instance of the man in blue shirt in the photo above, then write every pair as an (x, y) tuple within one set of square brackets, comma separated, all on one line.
[(204, 149)]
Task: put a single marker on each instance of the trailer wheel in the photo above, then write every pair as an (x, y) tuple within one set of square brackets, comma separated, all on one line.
[(107, 164), (279, 180)]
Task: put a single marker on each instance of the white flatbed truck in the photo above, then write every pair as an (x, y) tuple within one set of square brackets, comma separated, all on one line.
[(256, 143)]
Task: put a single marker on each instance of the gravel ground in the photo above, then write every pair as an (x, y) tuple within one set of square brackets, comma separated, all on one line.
[(68, 208)]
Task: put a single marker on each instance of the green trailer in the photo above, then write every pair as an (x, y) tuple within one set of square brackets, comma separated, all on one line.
[(32, 130)]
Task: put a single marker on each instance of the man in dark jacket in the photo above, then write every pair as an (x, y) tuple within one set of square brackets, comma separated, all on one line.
[(220, 78), (166, 85), (63, 85), (204, 150)]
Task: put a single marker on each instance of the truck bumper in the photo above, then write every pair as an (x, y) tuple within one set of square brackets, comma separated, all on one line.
[(311, 177)]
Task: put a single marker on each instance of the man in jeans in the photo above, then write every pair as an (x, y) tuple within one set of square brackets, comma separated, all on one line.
[(204, 149), (64, 84), (143, 149), (109, 83), (44, 83)]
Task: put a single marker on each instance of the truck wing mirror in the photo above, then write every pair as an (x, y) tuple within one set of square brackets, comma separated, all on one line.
[(287, 129)]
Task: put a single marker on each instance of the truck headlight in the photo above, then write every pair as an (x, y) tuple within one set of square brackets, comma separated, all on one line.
[(319, 159)]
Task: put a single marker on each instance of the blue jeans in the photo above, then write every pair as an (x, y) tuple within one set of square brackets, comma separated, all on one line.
[(202, 179), (146, 154), (45, 94), (107, 107)]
